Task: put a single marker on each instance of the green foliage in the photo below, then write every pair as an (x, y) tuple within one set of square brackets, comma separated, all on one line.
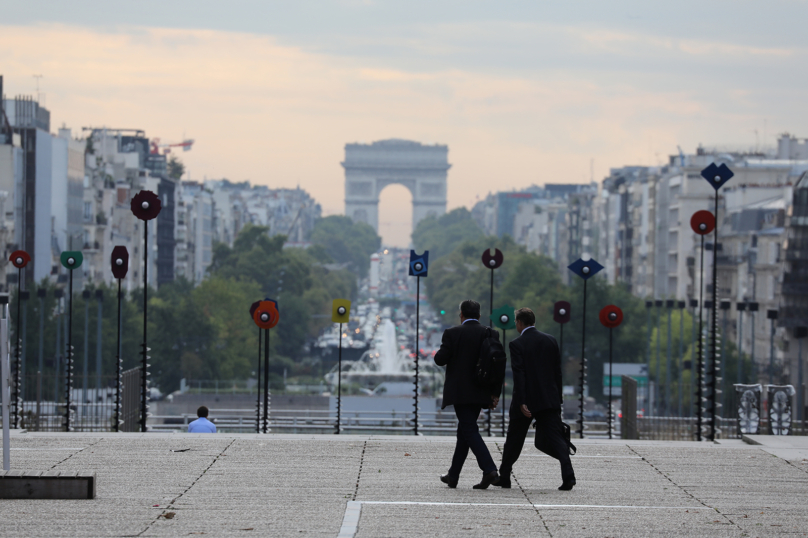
[(347, 242), (175, 167), (440, 235), (532, 280)]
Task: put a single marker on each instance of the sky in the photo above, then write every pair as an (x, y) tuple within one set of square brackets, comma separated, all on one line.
[(522, 92)]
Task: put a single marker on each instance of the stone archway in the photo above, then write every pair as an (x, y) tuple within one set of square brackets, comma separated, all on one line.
[(369, 168)]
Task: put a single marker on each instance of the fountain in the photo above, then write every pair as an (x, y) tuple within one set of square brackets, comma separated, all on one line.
[(384, 364)]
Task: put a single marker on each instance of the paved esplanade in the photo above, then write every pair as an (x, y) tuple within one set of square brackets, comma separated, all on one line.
[(294, 485)]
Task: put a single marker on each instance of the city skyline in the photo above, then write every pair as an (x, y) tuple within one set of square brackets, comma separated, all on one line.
[(521, 95)]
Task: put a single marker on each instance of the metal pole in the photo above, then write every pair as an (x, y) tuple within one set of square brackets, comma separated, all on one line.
[(69, 363), (801, 387), (417, 345), (503, 386), (24, 349), (144, 367), (693, 360), (41, 361), (339, 382), (86, 370), (771, 354), (610, 383), (57, 356), (739, 373), (98, 341), (490, 324), (583, 369), (700, 367), (266, 379), (648, 410), (752, 351), (15, 393), (668, 364), (4, 375), (714, 324), (118, 366), (657, 378), (723, 370), (258, 387), (681, 356)]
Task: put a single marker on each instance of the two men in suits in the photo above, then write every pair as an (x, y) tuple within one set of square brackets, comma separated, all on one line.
[(459, 352), (537, 394)]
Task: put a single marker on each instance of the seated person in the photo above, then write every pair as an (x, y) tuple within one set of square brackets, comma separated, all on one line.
[(202, 424)]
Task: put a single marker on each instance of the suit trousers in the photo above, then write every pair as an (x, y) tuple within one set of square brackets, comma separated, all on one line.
[(548, 434), (468, 437)]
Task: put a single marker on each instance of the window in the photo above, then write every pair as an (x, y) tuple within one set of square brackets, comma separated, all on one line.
[(88, 211)]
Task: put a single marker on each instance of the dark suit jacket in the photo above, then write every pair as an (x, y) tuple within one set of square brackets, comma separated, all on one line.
[(459, 352), (536, 364)]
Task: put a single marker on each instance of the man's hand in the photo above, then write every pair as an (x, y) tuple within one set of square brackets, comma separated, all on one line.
[(494, 401), (526, 411)]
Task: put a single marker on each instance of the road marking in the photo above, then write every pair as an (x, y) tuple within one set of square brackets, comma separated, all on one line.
[(48, 449), (353, 510)]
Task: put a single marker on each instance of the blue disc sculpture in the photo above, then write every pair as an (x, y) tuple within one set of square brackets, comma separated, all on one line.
[(585, 269)]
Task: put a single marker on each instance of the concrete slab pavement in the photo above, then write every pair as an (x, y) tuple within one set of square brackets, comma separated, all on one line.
[(301, 485)]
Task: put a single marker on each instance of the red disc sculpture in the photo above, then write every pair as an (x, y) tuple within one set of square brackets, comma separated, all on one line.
[(611, 316), (561, 312), (19, 258), (702, 222), (266, 315)]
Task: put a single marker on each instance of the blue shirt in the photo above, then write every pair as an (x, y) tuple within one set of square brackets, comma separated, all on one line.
[(201, 425)]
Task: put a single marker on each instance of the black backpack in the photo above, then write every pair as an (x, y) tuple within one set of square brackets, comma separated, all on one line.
[(490, 370)]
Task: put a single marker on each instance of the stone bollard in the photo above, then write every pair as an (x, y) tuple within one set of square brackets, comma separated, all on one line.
[(748, 408), (779, 398), (628, 408)]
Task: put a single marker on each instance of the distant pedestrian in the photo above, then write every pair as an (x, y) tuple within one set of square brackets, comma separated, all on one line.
[(536, 364), (459, 352), (202, 424)]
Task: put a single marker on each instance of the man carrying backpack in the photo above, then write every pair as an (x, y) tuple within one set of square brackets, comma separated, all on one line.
[(470, 353), (537, 392)]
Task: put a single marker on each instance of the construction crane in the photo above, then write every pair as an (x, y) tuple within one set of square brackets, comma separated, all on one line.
[(156, 146)]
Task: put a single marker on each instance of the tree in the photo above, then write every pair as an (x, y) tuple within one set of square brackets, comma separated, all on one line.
[(347, 242), (175, 168), (440, 235)]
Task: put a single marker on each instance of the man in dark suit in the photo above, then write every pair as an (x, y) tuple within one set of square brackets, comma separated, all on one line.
[(536, 365), (459, 352)]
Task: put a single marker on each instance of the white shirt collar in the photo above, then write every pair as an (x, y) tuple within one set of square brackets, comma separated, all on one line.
[(477, 320), (526, 328)]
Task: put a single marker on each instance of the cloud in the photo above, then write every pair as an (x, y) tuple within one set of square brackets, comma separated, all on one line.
[(280, 115)]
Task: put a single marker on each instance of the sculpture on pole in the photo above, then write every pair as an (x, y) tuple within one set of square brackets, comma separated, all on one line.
[(610, 317), (340, 313), (18, 258), (491, 262), (419, 267), (266, 316), (702, 223), (119, 263), (503, 319), (585, 269), (716, 176), (71, 260), (145, 206)]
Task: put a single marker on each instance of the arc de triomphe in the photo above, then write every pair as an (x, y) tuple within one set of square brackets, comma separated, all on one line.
[(369, 168)]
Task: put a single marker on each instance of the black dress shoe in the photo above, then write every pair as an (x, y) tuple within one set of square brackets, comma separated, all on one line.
[(448, 480), (488, 479), (504, 484), (567, 485)]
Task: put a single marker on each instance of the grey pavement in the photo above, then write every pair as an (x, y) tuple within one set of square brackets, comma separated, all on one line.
[(378, 486)]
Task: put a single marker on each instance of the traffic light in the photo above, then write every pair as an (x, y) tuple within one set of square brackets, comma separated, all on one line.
[(442, 312)]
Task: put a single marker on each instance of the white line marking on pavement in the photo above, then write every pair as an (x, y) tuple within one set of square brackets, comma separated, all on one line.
[(48, 449), (350, 521)]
